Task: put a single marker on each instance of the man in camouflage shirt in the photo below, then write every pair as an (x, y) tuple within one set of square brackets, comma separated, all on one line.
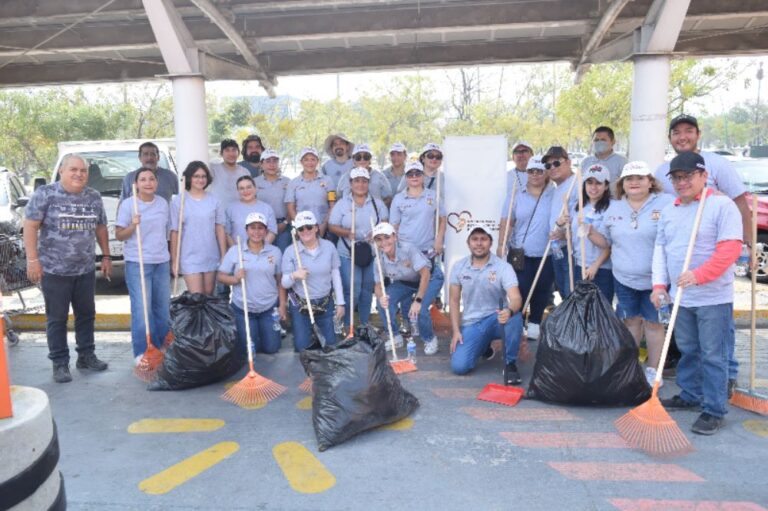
[(63, 221)]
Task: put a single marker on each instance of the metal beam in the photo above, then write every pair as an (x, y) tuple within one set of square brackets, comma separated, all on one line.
[(173, 38), (602, 28)]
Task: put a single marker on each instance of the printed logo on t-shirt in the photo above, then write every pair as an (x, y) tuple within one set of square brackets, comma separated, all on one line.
[(491, 277), (271, 260), (429, 201), (77, 217), (655, 215)]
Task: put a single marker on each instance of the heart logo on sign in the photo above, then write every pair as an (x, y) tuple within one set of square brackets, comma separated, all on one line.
[(459, 220)]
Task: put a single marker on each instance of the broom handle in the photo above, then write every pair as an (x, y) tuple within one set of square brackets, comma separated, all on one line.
[(568, 242), (178, 242), (509, 217), (536, 279), (352, 275), (679, 294), (245, 305), (141, 268), (304, 281), (753, 259), (384, 291), (579, 178), (437, 203)]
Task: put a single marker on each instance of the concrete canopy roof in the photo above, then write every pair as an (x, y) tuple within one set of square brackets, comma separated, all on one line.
[(57, 41)]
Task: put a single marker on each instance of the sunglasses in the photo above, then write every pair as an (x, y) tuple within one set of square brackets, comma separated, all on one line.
[(434, 156), (361, 157), (414, 173), (555, 164), (520, 151), (305, 228), (535, 171)]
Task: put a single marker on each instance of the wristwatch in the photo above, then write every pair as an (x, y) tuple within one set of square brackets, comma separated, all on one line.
[(417, 300)]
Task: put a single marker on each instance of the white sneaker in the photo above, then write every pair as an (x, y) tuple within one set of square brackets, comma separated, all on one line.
[(398, 342), (650, 376), (533, 331), (431, 347)]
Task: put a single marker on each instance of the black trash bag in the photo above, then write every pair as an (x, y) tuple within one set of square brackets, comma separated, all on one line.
[(203, 350), (354, 388), (586, 356)]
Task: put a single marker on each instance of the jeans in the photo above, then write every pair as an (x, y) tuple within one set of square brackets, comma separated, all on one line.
[(702, 335), (59, 292), (733, 364), (603, 280), (478, 336), (402, 295), (562, 280), (363, 289), (634, 302), (158, 284), (302, 327), (543, 289), (283, 240), (264, 338)]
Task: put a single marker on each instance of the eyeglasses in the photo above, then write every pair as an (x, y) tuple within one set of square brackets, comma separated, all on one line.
[(555, 164), (361, 157), (680, 178), (305, 228), (535, 171), (433, 156)]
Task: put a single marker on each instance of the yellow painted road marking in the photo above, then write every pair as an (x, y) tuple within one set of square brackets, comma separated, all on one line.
[(757, 427), (305, 473), (175, 425), (400, 425), (305, 404), (180, 473)]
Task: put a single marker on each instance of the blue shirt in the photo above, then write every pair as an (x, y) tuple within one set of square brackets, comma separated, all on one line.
[(320, 264), (414, 218), (199, 246), (334, 169), (405, 266), (592, 251), (155, 222), (311, 195), (378, 186), (720, 175), (341, 215), (261, 272), (167, 184), (236, 214), (482, 288), (556, 206), (273, 193), (526, 211)]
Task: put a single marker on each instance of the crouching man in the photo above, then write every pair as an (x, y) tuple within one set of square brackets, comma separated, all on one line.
[(487, 287)]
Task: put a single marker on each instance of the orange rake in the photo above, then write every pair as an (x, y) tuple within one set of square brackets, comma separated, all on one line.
[(306, 385), (253, 389)]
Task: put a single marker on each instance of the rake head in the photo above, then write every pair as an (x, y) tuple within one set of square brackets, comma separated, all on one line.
[(649, 427), (306, 385), (253, 389), (403, 366), (149, 363), (750, 401)]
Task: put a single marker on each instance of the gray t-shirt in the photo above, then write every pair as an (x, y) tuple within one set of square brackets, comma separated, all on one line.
[(273, 193), (415, 218), (720, 175), (556, 206), (614, 163), (378, 186), (430, 183), (393, 179), (253, 168), (341, 215), (155, 222), (526, 211), (521, 176), (199, 247), (167, 184), (261, 272), (66, 244), (311, 195), (405, 266), (320, 264), (224, 184), (334, 169), (482, 288), (237, 212), (591, 251)]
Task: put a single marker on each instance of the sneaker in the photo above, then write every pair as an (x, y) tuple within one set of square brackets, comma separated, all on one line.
[(650, 377), (61, 373), (678, 403), (90, 361), (731, 387), (398, 342), (511, 376), (533, 331), (431, 347), (489, 353), (707, 424)]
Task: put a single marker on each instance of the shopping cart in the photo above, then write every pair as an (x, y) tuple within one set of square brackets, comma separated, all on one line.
[(13, 278)]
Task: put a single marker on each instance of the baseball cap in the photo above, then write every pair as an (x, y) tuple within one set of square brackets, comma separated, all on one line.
[(359, 172), (555, 151), (598, 172), (687, 162), (414, 165), (635, 168), (683, 118), (308, 150), (361, 148), (431, 146), (304, 218), (384, 228), (255, 216), (397, 147), (329, 140), (480, 228), (522, 143), (536, 163), (269, 153)]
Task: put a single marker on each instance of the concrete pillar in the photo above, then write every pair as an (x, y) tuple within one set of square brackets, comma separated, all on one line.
[(650, 92), (190, 119)]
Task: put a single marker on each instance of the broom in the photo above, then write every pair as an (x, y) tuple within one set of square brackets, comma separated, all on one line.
[(748, 399), (152, 357), (583, 261), (524, 354), (511, 206), (649, 426), (398, 366), (253, 389), (178, 242), (352, 277)]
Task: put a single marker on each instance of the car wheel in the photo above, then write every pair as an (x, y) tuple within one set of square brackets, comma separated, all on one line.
[(762, 258)]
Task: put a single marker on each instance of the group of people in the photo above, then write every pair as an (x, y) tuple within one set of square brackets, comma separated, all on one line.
[(306, 243)]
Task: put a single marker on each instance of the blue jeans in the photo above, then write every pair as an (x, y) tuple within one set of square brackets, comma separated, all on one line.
[(702, 335), (402, 295), (634, 303), (264, 338), (543, 289), (302, 327), (478, 336), (158, 282), (363, 289), (562, 280), (283, 240), (603, 280), (59, 292)]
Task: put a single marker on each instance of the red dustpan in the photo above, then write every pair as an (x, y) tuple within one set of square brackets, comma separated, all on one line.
[(501, 394)]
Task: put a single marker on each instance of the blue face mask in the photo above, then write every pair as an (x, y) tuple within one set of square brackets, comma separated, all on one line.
[(601, 146)]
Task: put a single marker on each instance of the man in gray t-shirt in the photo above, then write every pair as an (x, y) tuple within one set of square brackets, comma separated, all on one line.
[(167, 181), (226, 174), (63, 221), (603, 140)]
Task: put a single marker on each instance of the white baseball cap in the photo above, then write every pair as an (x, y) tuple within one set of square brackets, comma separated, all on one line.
[(480, 227), (255, 216), (635, 168), (384, 228), (520, 143), (431, 146), (361, 148), (414, 165), (397, 147), (304, 218), (536, 163), (269, 153), (359, 172), (308, 150), (596, 171)]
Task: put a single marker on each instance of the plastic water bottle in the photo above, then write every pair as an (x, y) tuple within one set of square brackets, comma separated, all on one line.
[(742, 263), (589, 219), (556, 249), (276, 320), (411, 349), (414, 327), (338, 326), (665, 310)]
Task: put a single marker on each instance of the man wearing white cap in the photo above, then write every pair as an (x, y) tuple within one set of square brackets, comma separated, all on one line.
[(487, 286), (379, 187), (395, 172), (310, 190), (522, 152), (271, 188), (339, 148), (603, 140)]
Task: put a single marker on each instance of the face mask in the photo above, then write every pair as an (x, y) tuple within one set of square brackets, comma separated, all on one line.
[(601, 146), (254, 157)]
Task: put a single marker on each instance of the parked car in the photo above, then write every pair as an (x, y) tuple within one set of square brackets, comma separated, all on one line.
[(13, 199), (754, 174)]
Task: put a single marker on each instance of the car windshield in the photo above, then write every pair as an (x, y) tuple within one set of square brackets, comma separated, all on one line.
[(106, 169), (754, 174)]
